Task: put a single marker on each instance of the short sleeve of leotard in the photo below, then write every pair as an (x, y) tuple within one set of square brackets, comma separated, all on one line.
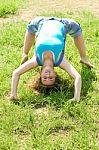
[(34, 25)]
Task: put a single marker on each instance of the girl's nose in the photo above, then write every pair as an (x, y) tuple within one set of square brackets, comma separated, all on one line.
[(47, 72)]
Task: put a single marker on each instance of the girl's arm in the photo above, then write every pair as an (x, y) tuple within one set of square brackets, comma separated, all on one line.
[(73, 73), (30, 64)]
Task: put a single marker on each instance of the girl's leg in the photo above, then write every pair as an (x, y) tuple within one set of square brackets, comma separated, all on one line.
[(28, 42), (79, 42), (30, 64)]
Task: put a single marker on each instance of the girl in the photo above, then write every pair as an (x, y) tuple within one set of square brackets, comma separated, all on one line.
[(50, 36)]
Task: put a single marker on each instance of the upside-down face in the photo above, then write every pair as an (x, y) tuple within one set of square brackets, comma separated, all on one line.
[(48, 76)]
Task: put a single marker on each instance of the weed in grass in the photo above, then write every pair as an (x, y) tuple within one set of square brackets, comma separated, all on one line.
[(9, 7)]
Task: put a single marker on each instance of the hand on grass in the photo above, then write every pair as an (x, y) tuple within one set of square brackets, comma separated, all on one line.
[(73, 100), (11, 98)]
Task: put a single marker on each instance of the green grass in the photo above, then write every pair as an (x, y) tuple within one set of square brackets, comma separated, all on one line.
[(9, 7), (49, 122)]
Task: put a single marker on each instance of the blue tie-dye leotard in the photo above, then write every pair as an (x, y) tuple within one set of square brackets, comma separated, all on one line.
[(50, 38)]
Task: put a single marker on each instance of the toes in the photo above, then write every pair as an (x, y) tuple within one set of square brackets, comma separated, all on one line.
[(87, 64)]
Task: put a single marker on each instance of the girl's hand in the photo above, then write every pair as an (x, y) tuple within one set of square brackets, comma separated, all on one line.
[(73, 100), (12, 98)]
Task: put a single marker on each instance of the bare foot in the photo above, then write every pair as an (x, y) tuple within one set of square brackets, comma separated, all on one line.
[(86, 62)]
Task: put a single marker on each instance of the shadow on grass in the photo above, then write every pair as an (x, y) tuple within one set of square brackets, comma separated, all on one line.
[(54, 96), (58, 96), (88, 76)]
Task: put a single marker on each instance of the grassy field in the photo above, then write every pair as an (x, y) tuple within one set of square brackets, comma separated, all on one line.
[(10, 6), (50, 122)]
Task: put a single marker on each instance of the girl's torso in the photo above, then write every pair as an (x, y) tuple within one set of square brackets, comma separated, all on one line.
[(50, 38)]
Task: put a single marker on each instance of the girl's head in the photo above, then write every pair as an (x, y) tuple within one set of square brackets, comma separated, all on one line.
[(47, 72), (48, 76), (37, 86)]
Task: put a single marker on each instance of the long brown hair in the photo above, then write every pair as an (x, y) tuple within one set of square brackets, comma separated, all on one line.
[(36, 85)]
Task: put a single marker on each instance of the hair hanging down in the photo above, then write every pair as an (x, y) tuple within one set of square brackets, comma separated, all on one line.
[(36, 85)]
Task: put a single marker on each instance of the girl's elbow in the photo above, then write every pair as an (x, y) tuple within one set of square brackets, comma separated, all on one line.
[(78, 78), (15, 73)]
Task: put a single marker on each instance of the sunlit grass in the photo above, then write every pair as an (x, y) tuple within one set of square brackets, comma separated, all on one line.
[(9, 7), (49, 122)]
